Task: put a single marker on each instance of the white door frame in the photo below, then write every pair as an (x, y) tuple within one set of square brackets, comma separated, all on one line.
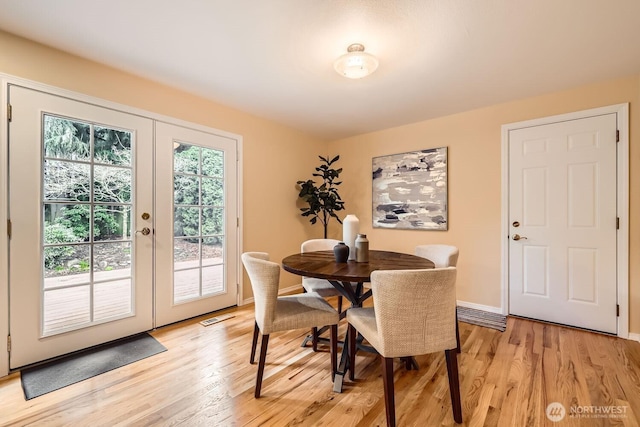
[(622, 114), (5, 81)]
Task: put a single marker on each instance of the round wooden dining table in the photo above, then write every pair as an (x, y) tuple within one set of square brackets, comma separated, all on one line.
[(348, 278), (323, 265)]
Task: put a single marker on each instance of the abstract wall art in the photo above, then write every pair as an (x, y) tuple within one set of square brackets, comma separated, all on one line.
[(410, 190)]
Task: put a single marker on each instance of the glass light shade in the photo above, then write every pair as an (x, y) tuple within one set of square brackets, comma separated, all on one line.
[(356, 64)]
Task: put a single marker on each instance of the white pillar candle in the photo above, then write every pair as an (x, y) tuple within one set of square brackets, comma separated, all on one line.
[(350, 229)]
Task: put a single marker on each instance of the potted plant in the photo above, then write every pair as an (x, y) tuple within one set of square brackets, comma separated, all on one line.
[(324, 200)]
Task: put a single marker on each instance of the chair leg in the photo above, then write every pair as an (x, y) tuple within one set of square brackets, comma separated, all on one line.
[(407, 363), (334, 350), (454, 383), (263, 356), (351, 334), (458, 348), (389, 398), (314, 341), (339, 303), (254, 344)]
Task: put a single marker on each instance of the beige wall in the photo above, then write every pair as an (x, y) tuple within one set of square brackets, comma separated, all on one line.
[(275, 156), (473, 139)]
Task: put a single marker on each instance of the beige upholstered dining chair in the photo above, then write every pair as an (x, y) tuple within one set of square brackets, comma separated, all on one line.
[(320, 286), (442, 256), (413, 313), (275, 313)]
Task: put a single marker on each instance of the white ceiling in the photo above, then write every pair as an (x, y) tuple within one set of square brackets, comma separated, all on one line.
[(274, 58)]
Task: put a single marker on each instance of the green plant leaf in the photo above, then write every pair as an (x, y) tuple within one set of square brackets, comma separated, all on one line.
[(323, 198)]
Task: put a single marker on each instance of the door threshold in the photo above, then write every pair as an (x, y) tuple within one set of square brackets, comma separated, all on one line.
[(609, 334)]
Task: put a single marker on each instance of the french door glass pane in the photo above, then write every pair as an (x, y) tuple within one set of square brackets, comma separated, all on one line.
[(87, 187), (186, 253), (198, 220), (212, 250), (111, 222), (186, 190), (66, 180), (186, 285), (186, 159), (111, 184), (212, 279), (213, 221), (186, 221), (212, 192), (111, 261), (66, 223), (66, 264), (112, 146), (104, 303), (67, 308), (213, 163), (66, 139)]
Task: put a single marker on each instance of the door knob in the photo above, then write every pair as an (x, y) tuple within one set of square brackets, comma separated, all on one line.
[(519, 237), (145, 231)]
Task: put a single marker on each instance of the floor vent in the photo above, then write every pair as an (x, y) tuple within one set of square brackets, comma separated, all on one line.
[(482, 318), (217, 319)]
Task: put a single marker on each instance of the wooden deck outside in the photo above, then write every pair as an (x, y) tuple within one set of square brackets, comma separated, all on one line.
[(67, 301)]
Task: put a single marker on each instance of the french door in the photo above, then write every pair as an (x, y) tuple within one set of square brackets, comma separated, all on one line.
[(196, 223), (119, 224), (80, 182)]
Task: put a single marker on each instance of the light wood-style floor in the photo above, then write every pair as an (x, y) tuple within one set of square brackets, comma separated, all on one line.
[(204, 379)]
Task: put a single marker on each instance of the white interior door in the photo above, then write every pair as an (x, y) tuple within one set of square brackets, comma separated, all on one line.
[(196, 223), (80, 181), (562, 216)]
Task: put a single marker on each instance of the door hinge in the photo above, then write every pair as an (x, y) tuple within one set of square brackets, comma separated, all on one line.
[(9, 343), (617, 310), (237, 222), (618, 223), (617, 135), (9, 112), (9, 228)]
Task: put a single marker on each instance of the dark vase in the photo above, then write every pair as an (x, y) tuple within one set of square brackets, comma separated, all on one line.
[(341, 252)]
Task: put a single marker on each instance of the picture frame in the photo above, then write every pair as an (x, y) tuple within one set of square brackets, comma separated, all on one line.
[(409, 190)]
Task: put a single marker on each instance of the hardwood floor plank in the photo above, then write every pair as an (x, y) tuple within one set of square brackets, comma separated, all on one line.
[(204, 379), (479, 414)]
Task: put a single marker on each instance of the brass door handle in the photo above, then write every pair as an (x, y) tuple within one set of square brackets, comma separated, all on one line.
[(145, 231), (518, 237)]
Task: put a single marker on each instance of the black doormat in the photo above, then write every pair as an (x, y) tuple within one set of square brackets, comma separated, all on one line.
[(76, 367)]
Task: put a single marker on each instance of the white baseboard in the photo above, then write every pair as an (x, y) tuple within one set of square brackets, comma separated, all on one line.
[(289, 290), (297, 288), (488, 308), (635, 337)]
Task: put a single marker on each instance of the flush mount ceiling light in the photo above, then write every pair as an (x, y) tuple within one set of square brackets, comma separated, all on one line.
[(356, 63)]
